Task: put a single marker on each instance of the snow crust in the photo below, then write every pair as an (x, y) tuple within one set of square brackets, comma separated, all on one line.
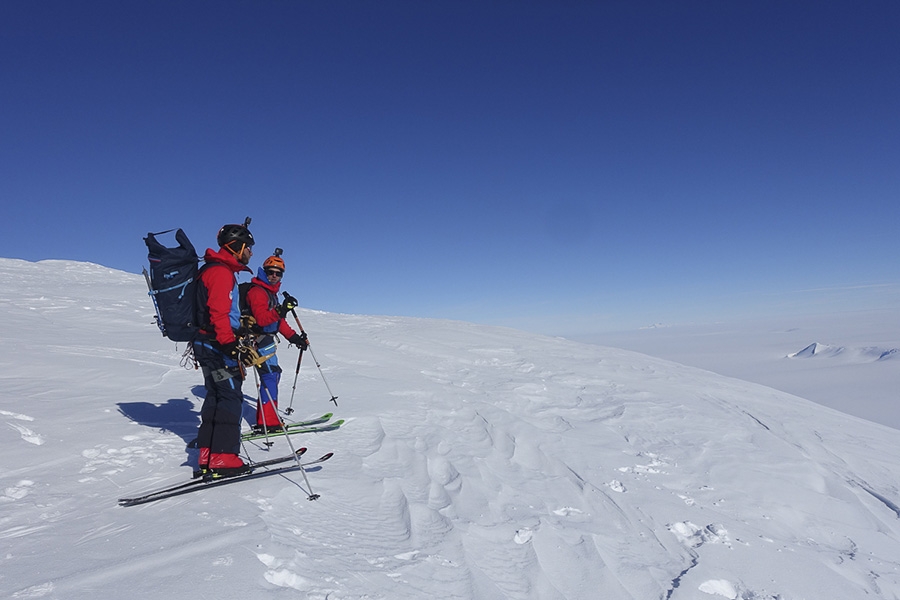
[(476, 463)]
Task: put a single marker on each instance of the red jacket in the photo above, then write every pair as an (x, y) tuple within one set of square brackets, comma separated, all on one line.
[(219, 295), (262, 298)]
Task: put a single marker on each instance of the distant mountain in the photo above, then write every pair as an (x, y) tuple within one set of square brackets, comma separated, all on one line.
[(862, 354)]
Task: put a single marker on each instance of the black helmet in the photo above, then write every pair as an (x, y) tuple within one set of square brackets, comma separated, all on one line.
[(234, 233)]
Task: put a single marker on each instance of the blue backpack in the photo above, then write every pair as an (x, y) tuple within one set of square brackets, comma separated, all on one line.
[(172, 281)]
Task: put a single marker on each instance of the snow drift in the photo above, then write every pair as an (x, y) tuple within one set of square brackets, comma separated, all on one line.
[(477, 463)]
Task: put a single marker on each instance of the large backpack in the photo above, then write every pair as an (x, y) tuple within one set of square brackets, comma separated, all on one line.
[(172, 281), (243, 288)]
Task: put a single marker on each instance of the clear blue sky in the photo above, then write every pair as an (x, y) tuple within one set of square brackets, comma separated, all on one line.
[(558, 166)]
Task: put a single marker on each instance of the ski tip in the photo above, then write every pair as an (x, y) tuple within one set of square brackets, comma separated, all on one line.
[(327, 456), (300, 451)]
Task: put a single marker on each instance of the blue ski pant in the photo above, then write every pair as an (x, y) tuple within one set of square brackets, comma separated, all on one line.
[(269, 377)]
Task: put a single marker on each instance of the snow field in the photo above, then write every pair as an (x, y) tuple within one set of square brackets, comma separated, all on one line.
[(476, 463)]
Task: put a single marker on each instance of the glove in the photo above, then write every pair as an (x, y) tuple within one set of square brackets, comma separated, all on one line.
[(284, 308), (300, 340), (290, 303), (248, 325), (250, 356), (230, 349), (244, 354)]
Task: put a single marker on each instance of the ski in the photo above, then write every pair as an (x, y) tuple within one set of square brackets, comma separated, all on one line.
[(175, 489), (258, 430), (258, 469), (297, 428)]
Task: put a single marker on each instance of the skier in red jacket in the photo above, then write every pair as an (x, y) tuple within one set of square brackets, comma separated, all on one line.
[(217, 350), (262, 300)]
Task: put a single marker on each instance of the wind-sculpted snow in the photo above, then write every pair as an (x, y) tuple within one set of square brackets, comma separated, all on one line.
[(476, 463)]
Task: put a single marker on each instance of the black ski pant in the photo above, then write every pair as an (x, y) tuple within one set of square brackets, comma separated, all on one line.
[(220, 415)]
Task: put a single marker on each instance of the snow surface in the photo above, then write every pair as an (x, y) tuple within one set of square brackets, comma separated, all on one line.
[(477, 463)]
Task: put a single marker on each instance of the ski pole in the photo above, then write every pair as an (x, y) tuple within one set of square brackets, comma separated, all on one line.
[(313, 354), (290, 409), (259, 407), (260, 389), (287, 436)]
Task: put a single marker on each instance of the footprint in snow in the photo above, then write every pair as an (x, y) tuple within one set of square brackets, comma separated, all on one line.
[(693, 536), (16, 492), (566, 511), (27, 434), (616, 486), (719, 587), (17, 416), (524, 535), (36, 591)]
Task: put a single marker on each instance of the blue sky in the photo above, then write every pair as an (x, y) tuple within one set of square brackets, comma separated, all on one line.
[(566, 167)]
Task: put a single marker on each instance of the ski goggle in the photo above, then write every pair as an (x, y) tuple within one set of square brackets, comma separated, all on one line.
[(276, 272)]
